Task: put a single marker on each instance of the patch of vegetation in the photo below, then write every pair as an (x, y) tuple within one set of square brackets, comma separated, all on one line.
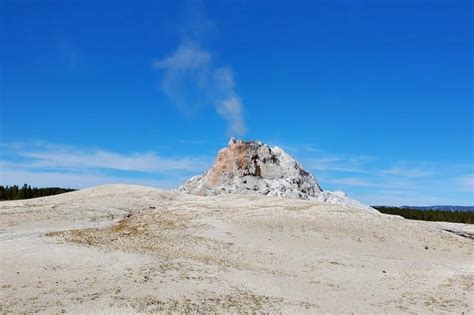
[(26, 192), (429, 215)]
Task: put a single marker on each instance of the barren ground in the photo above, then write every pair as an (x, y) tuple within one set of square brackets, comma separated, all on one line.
[(131, 249)]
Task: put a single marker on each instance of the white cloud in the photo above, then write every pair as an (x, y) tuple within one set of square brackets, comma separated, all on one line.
[(141, 162), (381, 180), (467, 183), (407, 172), (399, 198), (351, 181), (312, 149), (45, 164), (335, 163), (231, 109), (192, 80), (188, 56), (77, 180)]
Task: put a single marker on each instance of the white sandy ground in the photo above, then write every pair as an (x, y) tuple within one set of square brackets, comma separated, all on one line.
[(231, 253)]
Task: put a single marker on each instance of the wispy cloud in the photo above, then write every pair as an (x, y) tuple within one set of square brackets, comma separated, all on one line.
[(384, 180), (189, 56), (401, 198), (192, 79), (78, 179), (335, 163), (404, 171), (140, 162), (311, 148), (351, 181), (467, 183), (41, 163)]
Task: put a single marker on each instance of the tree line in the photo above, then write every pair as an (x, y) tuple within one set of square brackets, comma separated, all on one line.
[(26, 192), (429, 215)]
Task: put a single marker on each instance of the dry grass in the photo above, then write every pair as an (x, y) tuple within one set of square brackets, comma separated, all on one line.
[(166, 234), (239, 301)]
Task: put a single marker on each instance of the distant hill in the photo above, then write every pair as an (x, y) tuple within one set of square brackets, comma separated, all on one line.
[(441, 208)]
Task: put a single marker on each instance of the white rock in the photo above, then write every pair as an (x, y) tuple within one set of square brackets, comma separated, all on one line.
[(253, 167)]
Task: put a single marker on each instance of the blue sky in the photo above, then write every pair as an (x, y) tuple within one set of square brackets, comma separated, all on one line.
[(375, 98)]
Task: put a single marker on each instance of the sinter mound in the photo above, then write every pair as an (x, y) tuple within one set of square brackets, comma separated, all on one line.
[(254, 167)]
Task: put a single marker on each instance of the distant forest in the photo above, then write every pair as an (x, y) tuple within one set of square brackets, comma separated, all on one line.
[(429, 215), (26, 192)]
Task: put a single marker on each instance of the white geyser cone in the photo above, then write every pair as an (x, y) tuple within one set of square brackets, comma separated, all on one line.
[(245, 167)]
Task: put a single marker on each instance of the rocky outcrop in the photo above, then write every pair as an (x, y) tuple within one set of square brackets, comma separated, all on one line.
[(253, 167)]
